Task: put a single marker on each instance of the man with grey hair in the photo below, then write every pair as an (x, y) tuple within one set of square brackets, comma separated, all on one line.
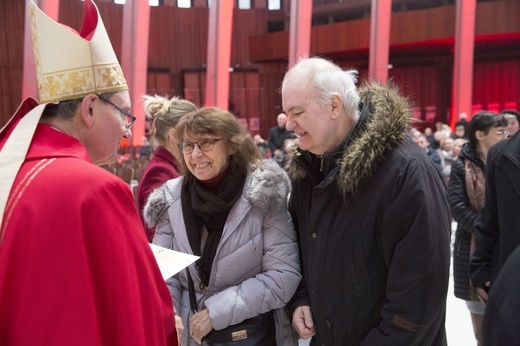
[(370, 210), (277, 136)]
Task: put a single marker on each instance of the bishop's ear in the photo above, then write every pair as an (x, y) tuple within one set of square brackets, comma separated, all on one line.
[(88, 108)]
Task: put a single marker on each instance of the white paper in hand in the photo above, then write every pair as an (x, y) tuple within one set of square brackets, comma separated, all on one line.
[(171, 262)]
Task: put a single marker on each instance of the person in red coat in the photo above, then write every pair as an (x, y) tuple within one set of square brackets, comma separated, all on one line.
[(75, 266), (164, 165)]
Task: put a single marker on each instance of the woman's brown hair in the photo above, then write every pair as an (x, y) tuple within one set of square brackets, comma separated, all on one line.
[(222, 124)]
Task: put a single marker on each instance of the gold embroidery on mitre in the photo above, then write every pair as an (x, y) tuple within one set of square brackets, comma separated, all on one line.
[(66, 85), (36, 46), (83, 79), (109, 78)]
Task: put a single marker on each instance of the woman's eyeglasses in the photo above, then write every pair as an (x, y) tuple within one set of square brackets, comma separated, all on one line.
[(205, 144), (502, 132)]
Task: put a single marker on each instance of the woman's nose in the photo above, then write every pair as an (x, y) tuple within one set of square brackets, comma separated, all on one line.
[(196, 150)]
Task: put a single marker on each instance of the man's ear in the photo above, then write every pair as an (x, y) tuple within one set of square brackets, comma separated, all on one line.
[(87, 108), (337, 105), (479, 134)]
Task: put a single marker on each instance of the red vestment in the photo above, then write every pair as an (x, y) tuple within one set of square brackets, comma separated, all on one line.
[(75, 265)]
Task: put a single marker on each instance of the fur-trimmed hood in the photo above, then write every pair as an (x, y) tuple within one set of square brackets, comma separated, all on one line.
[(267, 186), (383, 123)]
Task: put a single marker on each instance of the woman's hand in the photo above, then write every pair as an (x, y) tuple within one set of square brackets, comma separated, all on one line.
[(200, 325), (482, 292), (180, 328)]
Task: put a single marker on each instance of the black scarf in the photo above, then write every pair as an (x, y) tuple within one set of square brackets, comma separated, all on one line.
[(202, 208)]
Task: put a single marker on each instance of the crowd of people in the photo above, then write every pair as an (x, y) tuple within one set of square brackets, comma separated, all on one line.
[(337, 228)]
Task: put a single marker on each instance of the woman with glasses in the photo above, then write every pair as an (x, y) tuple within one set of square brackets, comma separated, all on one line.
[(164, 114), (466, 196), (230, 208)]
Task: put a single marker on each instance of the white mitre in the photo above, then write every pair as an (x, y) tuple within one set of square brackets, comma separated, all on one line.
[(70, 66)]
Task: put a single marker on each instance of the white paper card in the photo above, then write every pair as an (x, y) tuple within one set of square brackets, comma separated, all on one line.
[(171, 262)]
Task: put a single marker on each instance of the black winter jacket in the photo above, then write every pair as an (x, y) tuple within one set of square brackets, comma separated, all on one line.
[(501, 320), (498, 226), (466, 217), (374, 233)]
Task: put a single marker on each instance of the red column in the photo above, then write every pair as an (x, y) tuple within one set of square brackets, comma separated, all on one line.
[(219, 53), (134, 59), (300, 30), (462, 88), (380, 16), (29, 83)]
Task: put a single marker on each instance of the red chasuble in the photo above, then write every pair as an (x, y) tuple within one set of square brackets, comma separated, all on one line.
[(75, 265)]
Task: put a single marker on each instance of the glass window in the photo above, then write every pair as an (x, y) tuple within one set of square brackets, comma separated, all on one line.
[(244, 4), (184, 3), (275, 4)]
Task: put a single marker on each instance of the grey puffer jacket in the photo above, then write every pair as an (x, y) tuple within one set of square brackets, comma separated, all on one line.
[(256, 267)]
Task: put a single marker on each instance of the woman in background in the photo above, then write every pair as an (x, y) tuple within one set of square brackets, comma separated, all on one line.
[(466, 196), (230, 208), (164, 114)]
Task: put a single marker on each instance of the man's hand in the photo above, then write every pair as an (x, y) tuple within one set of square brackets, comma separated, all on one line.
[(482, 293), (302, 322), (200, 325)]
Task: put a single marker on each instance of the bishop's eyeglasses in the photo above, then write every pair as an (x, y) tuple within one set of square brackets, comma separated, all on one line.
[(130, 119)]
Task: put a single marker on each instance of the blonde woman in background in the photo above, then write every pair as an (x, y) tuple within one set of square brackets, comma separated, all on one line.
[(164, 115)]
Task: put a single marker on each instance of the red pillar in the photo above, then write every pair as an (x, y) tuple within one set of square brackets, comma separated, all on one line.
[(134, 59), (300, 30), (462, 88), (380, 16), (219, 53), (29, 83)]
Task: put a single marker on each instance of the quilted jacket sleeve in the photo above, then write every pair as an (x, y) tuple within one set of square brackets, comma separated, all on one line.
[(460, 207)]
